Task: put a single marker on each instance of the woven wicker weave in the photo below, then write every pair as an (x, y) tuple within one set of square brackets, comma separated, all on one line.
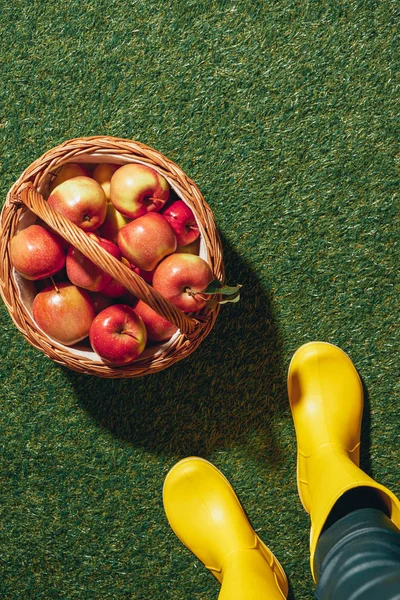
[(26, 199)]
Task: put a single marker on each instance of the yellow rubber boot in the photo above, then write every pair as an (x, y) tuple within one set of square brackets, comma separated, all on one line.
[(326, 400), (206, 515)]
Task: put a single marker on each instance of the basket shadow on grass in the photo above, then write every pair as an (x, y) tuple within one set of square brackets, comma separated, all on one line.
[(228, 392)]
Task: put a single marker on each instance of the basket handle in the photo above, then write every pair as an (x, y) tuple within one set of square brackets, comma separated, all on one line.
[(108, 263)]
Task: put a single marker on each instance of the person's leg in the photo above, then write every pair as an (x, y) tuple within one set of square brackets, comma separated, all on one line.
[(358, 557), (354, 520), (205, 514)]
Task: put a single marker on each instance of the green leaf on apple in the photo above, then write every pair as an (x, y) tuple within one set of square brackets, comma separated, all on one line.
[(230, 293), (232, 299)]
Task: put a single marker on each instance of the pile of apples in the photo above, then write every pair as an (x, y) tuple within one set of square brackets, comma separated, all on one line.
[(132, 213)]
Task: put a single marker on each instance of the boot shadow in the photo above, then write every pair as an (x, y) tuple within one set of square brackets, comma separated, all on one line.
[(229, 392)]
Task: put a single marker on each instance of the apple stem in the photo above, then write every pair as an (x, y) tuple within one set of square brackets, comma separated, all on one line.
[(54, 284), (158, 203), (193, 294)]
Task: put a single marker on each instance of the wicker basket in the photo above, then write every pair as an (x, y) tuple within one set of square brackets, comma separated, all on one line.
[(25, 202)]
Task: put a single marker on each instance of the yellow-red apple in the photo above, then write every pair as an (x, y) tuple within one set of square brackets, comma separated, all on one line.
[(83, 272), (113, 222), (37, 253), (181, 278), (67, 172), (147, 240), (193, 248), (64, 312), (158, 328), (118, 335), (82, 200), (137, 189), (102, 174)]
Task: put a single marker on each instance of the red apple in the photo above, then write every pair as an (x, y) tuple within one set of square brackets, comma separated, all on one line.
[(64, 312), (146, 275), (182, 221), (82, 201), (114, 289), (100, 302), (180, 278), (128, 298), (37, 253), (118, 335), (102, 174), (158, 328), (137, 189), (83, 272), (113, 222), (69, 171), (147, 240)]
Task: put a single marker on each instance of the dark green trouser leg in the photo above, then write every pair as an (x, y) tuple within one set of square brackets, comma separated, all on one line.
[(358, 558)]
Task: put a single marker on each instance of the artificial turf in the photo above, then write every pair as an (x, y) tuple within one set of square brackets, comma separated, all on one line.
[(286, 116)]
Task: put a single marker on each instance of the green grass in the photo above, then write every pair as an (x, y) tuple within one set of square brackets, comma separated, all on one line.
[(286, 116)]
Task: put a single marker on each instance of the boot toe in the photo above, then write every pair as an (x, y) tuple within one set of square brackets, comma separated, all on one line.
[(326, 397), (204, 512)]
